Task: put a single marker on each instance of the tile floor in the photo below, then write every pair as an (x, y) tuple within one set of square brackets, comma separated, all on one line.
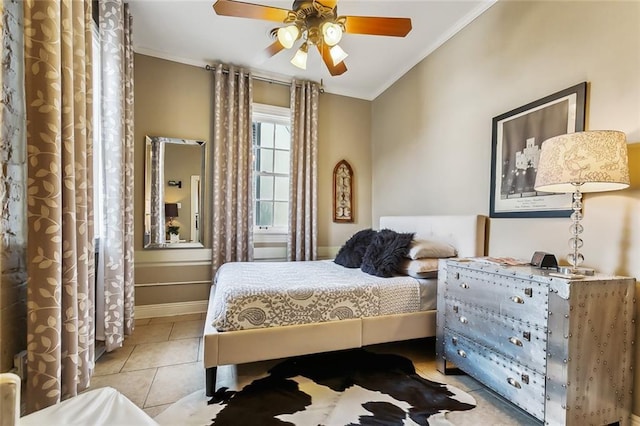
[(159, 364), (162, 362)]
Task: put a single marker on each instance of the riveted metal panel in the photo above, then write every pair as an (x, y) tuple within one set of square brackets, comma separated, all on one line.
[(522, 342), (590, 377), (510, 295), (519, 384), (441, 363), (582, 326)]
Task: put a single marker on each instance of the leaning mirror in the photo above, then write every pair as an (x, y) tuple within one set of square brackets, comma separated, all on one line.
[(173, 192)]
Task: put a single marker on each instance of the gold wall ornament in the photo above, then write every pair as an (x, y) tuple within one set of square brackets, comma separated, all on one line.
[(343, 192)]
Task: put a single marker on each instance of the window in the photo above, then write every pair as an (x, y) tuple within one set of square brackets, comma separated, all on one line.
[(271, 144)]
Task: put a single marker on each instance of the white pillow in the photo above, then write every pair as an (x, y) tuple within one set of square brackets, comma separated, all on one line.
[(420, 249), (419, 268)]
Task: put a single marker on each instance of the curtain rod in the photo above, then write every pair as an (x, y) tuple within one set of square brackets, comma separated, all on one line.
[(255, 77), (265, 79)]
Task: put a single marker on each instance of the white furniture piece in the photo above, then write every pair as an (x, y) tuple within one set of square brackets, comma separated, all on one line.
[(99, 407), (465, 232), (9, 399), (560, 348)]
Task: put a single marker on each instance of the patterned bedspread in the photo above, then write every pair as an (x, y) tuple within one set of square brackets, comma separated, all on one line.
[(270, 294)]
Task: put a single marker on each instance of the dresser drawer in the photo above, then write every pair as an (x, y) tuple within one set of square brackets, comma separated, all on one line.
[(517, 298), (518, 384), (524, 343)]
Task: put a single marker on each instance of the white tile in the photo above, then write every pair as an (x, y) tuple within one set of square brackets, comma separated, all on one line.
[(186, 329), (174, 382), (162, 354), (491, 410), (149, 334), (134, 384), (154, 411), (112, 362)]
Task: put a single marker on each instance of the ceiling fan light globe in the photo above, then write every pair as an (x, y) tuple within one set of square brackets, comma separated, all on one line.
[(337, 54), (331, 33), (288, 35), (300, 58)]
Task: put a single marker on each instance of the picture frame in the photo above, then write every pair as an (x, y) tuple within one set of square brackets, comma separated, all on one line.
[(343, 208), (517, 136)]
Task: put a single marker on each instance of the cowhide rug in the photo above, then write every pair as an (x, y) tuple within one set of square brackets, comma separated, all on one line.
[(353, 387)]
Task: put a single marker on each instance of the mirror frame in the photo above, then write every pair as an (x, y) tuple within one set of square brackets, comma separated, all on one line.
[(154, 219)]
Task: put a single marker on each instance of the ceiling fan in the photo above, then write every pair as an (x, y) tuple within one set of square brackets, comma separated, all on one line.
[(316, 22)]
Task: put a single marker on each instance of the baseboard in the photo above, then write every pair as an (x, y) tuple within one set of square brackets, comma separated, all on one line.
[(171, 309), (635, 420)]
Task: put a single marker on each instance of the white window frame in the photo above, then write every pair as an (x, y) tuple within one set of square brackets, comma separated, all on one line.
[(277, 115)]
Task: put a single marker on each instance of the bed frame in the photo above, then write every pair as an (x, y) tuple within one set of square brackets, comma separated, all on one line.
[(466, 233)]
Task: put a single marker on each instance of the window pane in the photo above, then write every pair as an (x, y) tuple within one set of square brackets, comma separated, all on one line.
[(283, 137), (281, 162), (266, 134), (282, 189), (264, 216), (264, 160), (281, 214), (265, 188)]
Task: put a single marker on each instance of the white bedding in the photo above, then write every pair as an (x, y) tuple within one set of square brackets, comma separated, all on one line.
[(252, 295)]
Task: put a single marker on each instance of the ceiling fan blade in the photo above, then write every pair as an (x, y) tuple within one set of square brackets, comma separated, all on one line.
[(249, 10), (273, 49), (334, 70), (372, 25)]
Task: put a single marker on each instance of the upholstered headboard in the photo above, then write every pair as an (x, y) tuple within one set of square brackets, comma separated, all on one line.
[(467, 233)]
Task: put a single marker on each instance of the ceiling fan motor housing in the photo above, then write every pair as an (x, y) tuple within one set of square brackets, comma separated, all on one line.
[(318, 24)]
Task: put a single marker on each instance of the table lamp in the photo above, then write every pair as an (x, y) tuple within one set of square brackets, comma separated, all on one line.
[(590, 161)]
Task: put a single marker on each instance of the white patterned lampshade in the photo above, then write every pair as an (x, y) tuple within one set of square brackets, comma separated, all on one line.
[(594, 161)]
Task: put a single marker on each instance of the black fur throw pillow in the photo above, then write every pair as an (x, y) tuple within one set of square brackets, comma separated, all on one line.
[(385, 253), (351, 253)]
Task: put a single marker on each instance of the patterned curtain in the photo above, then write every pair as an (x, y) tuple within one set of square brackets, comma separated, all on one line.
[(232, 201), (117, 143), (60, 252), (302, 241)]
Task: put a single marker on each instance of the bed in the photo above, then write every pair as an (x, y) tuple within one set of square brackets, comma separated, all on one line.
[(467, 233)]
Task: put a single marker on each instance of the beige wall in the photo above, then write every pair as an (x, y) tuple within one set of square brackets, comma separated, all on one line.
[(345, 133), (431, 136), (174, 100), (171, 100)]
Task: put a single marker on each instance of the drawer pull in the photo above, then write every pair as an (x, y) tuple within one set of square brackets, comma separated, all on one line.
[(464, 320), (462, 353), (514, 383), (515, 341), (464, 285), (517, 299)]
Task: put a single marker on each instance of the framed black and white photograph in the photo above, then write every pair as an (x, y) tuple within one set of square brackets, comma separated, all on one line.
[(517, 136)]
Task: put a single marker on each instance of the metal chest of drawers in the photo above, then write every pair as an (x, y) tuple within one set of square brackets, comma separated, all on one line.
[(560, 349)]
